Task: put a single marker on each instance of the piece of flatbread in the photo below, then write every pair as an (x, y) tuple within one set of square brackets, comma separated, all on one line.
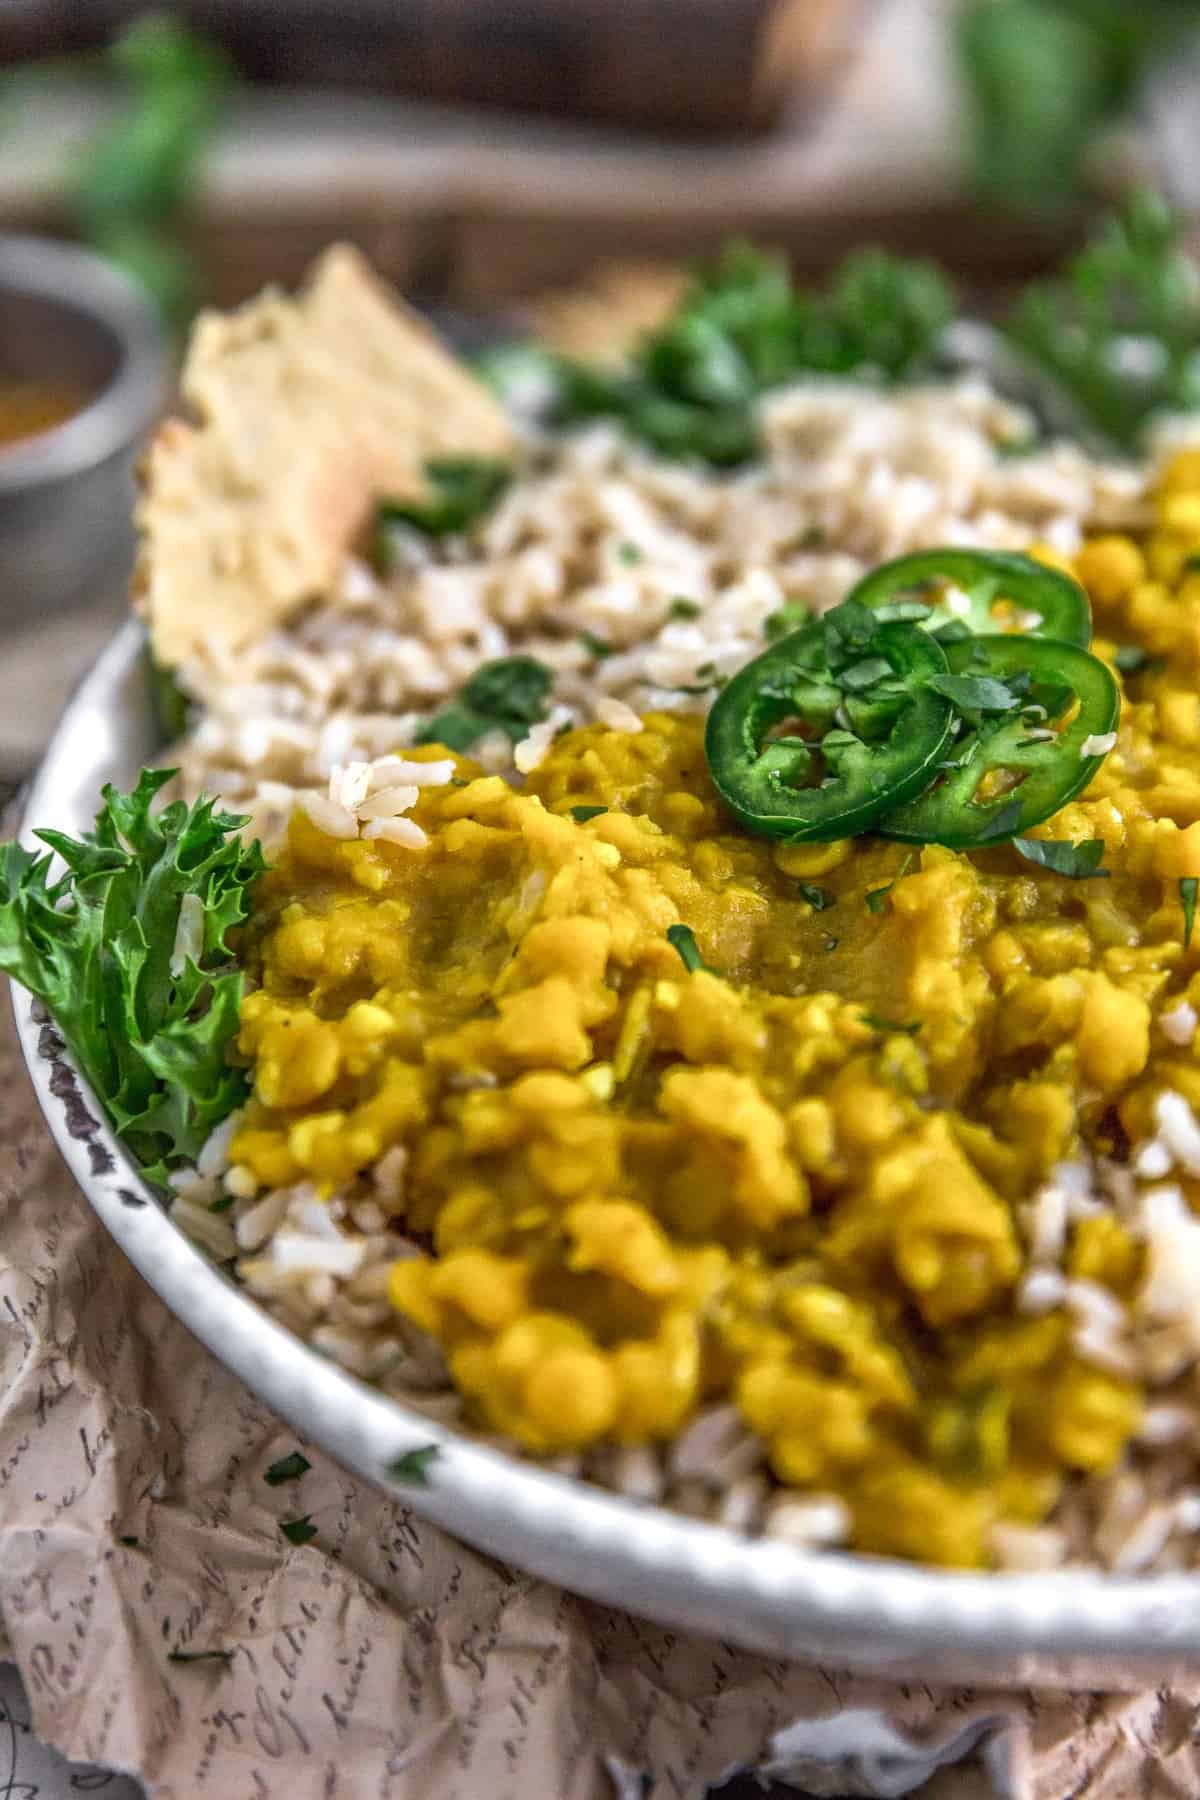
[(305, 412)]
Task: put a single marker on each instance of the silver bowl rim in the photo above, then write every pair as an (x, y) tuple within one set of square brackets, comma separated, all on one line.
[(76, 279), (763, 1595)]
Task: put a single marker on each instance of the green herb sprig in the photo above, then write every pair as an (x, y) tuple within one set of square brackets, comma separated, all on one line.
[(462, 490), (1079, 862), (1119, 330), (414, 1466), (97, 945), (742, 327), (508, 695), (1188, 886), (288, 1468), (683, 940)]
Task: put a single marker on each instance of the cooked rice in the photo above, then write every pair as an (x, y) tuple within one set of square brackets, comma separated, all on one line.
[(676, 570)]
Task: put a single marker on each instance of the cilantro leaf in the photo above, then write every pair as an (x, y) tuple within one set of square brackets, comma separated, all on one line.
[(791, 617), (597, 646), (288, 1468), (581, 814), (508, 695), (683, 939), (878, 1023), (681, 608), (413, 1467), (463, 489), (1120, 329), (877, 896), (742, 327), (298, 1531), (818, 898), (1079, 862), (97, 945), (975, 693), (1188, 885)]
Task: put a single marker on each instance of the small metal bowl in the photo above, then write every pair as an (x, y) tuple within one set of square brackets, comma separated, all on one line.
[(69, 319)]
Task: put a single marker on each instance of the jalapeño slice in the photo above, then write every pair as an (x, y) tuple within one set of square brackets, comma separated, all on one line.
[(997, 591), (1010, 772), (831, 727)]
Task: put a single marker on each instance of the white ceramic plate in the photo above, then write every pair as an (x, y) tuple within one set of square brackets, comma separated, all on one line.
[(840, 1609)]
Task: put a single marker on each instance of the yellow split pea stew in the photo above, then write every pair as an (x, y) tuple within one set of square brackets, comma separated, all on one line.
[(777, 1158)]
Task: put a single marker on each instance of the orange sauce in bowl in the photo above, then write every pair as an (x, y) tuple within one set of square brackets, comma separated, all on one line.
[(27, 409)]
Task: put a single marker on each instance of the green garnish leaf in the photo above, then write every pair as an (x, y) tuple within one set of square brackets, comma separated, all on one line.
[(508, 695), (413, 1467), (787, 619), (865, 674), (630, 553), (878, 1023), (818, 898), (598, 646), (1079, 862), (224, 1204), (298, 1531), (288, 1468), (173, 708), (1188, 885), (877, 896), (97, 945), (684, 609), (194, 1656), (133, 181), (464, 488), (1004, 824), (975, 693), (581, 814), (691, 389), (1120, 329), (683, 939)]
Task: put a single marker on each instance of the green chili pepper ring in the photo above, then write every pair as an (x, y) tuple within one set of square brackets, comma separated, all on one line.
[(1053, 770), (877, 737), (986, 577)]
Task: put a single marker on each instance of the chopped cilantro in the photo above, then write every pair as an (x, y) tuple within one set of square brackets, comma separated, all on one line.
[(462, 489), (508, 695), (288, 1468), (818, 898), (413, 1466), (224, 1204), (1187, 899), (877, 896), (630, 553), (865, 674), (787, 619), (598, 646), (975, 693), (1079, 862), (581, 814), (683, 939), (298, 1531), (684, 609), (878, 1023)]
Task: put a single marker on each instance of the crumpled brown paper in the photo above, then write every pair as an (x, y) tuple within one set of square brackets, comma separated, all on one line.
[(385, 1661)]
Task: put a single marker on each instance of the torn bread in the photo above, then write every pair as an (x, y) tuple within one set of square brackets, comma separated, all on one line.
[(305, 412)]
